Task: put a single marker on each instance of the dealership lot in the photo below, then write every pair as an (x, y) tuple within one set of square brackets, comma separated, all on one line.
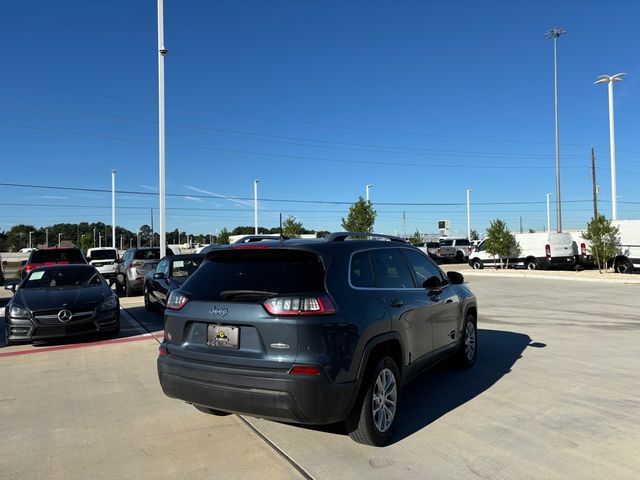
[(553, 395)]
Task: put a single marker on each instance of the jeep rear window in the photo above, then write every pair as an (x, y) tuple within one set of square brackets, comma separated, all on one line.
[(281, 271), (71, 255)]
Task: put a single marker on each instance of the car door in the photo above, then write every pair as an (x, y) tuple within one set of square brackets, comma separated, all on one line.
[(446, 306), (161, 285), (410, 312)]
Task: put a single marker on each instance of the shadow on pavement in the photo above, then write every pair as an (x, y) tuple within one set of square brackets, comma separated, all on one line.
[(152, 321), (444, 388)]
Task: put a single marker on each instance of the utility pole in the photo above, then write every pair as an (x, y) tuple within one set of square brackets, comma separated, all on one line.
[(595, 189), (555, 33), (113, 208)]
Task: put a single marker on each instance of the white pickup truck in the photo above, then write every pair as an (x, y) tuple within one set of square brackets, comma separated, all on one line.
[(457, 249)]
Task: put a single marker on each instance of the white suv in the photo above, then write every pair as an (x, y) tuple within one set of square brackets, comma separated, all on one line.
[(105, 260)]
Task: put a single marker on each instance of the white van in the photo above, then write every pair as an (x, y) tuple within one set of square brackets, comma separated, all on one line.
[(534, 251), (628, 257)]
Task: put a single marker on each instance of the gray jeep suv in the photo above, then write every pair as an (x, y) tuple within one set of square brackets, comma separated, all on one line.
[(314, 331)]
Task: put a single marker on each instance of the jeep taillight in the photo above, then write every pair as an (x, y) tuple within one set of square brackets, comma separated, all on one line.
[(31, 266), (583, 249), (176, 300), (547, 250), (297, 305)]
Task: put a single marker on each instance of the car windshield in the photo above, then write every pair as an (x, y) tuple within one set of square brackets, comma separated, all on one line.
[(185, 267), (58, 255), (103, 255), (62, 277)]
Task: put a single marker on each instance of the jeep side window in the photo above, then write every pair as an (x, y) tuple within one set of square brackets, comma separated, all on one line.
[(362, 271), (391, 269), (423, 268)]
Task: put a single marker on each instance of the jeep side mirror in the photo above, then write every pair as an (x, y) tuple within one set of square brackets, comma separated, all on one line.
[(455, 278)]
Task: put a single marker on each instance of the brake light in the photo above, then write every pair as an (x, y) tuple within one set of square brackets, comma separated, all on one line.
[(31, 266), (136, 264), (304, 370), (162, 351), (176, 300), (583, 249), (438, 250), (313, 305), (547, 250)]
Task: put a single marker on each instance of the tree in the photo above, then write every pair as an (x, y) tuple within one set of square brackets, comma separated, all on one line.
[(500, 241), (145, 235), (604, 240), (291, 227), (474, 235), (223, 236), (531, 230), (416, 237), (361, 217)]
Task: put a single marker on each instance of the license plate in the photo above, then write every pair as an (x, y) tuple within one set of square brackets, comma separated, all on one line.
[(223, 336)]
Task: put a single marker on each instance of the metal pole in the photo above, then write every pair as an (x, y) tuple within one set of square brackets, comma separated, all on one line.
[(30, 239), (555, 84), (469, 190), (59, 236), (612, 146), (367, 189), (161, 137), (113, 208), (595, 187), (152, 227), (548, 213), (47, 237), (255, 205), (94, 238)]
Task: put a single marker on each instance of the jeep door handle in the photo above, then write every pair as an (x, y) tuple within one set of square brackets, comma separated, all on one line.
[(396, 302)]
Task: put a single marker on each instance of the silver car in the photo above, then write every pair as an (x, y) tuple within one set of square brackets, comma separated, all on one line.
[(133, 266)]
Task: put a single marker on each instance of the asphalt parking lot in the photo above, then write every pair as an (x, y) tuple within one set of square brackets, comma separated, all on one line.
[(554, 394)]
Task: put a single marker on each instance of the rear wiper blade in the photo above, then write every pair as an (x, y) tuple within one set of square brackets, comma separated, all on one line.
[(229, 294)]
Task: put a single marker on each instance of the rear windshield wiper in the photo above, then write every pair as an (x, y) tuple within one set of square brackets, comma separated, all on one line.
[(246, 294)]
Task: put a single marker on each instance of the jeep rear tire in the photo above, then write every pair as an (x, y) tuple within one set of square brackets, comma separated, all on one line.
[(374, 414)]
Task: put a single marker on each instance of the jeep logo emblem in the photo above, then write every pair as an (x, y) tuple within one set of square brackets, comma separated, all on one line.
[(217, 311)]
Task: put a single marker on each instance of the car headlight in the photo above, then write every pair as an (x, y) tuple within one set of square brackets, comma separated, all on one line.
[(16, 311), (109, 303)]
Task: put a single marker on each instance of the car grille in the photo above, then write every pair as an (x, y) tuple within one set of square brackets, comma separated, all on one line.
[(50, 317)]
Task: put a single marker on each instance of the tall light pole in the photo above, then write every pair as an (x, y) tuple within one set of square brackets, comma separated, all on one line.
[(46, 237), (469, 190), (612, 141), (30, 233), (161, 54), (555, 33), (367, 187), (59, 237), (548, 213), (113, 208), (255, 205)]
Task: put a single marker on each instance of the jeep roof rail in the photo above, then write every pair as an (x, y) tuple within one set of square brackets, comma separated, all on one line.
[(342, 236), (260, 238)]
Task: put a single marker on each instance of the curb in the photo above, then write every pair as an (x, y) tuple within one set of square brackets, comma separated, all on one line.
[(480, 273)]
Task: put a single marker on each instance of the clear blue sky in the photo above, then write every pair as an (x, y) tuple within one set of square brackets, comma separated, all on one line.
[(316, 99)]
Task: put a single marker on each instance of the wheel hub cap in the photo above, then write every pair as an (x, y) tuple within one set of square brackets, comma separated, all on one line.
[(384, 400), (470, 341)]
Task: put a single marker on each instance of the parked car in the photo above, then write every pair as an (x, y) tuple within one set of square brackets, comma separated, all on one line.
[(169, 274), (456, 249), (52, 256), (313, 331), (628, 258), (531, 251), (430, 248), (60, 301), (26, 250), (133, 266), (105, 260)]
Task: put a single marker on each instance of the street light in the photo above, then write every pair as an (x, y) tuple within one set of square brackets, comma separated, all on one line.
[(548, 213), (469, 190), (255, 205), (161, 138), (59, 237), (555, 33), (612, 141), (113, 208), (30, 233), (367, 187)]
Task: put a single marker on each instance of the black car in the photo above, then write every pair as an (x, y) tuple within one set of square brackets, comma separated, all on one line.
[(314, 331), (169, 274), (64, 255), (60, 301)]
